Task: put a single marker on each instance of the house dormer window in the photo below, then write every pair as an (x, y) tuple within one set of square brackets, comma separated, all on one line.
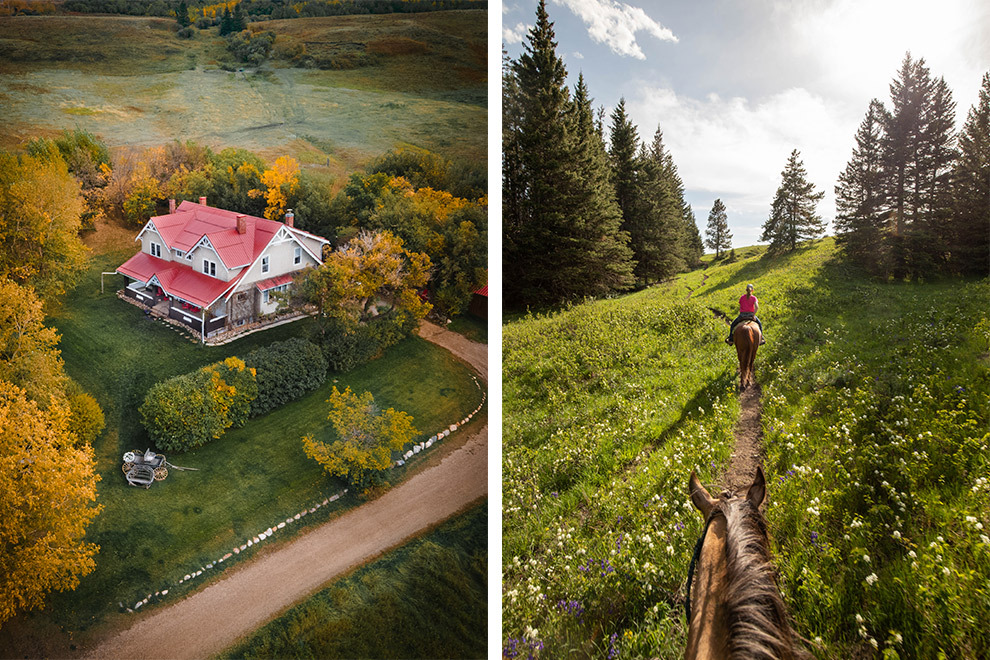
[(156, 250), (210, 267), (179, 254), (264, 264), (297, 255)]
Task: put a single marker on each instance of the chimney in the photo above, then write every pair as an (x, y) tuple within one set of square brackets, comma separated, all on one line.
[(290, 218), (241, 224), (171, 206), (202, 200)]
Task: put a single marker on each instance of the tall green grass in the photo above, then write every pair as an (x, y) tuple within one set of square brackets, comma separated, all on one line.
[(427, 599), (875, 416)]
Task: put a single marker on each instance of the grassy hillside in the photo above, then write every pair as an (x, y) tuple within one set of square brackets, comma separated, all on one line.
[(875, 419), (423, 81)]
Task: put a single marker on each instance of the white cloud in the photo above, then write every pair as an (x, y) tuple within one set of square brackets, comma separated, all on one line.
[(517, 34), (615, 24), (577, 55), (736, 149)]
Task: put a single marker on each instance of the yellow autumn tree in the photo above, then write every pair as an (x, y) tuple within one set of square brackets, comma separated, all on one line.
[(280, 181), (41, 206), (47, 498), (29, 355), (366, 437)]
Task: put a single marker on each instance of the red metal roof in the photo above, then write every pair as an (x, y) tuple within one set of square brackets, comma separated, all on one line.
[(186, 227), (483, 291), (176, 279), (273, 282)]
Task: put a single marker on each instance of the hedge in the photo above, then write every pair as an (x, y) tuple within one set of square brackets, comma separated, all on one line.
[(286, 370)]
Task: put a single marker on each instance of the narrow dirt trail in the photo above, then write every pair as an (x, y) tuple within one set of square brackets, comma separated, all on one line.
[(748, 451), (214, 618)]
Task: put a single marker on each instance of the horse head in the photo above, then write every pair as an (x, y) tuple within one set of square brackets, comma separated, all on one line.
[(734, 607)]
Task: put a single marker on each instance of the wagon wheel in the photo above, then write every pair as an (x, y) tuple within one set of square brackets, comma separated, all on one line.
[(161, 473), (126, 467)]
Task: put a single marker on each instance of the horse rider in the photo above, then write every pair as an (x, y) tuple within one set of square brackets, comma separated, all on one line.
[(748, 306)]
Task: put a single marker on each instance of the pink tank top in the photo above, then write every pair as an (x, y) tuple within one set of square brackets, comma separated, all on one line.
[(747, 303)]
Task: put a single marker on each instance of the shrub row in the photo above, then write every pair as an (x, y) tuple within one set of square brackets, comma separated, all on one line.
[(189, 410), (286, 370)]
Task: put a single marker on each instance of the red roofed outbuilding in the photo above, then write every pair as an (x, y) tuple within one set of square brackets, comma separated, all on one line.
[(217, 268), (479, 303)]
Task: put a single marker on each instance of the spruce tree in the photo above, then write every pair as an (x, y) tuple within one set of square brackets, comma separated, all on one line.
[(624, 144), (970, 231), (860, 219), (792, 214), (602, 259), (182, 15), (564, 241), (719, 238)]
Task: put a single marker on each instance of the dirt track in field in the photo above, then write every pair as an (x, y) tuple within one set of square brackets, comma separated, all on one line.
[(214, 618)]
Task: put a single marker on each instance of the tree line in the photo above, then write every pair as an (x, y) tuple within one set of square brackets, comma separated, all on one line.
[(257, 10), (580, 218), (914, 199)]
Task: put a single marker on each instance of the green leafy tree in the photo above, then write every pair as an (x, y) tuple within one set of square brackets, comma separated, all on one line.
[(366, 438), (970, 233), (719, 237), (47, 496), (792, 213)]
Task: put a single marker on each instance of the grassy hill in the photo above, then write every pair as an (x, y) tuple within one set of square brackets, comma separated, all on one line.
[(422, 80), (875, 416)]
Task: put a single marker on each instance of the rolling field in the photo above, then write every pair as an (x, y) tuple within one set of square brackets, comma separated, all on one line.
[(876, 410), (133, 82)]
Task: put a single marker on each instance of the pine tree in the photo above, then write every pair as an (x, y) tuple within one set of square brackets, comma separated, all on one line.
[(539, 141), (694, 246), (917, 160), (719, 238), (672, 237), (970, 231), (603, 260), (623, 150), (792, 214), (182, 15), (860, 220), (565, 241)]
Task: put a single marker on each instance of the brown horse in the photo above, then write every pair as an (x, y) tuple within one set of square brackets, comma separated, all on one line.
[(734, 606), (746, 337)]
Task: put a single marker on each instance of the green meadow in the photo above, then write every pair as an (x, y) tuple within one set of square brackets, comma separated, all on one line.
[(133, 82), (876, 409)]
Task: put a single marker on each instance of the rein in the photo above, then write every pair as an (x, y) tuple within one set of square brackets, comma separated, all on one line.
[(694, 561)]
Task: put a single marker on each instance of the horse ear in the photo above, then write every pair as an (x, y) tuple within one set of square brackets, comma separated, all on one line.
[(758, 490), (699, 496)]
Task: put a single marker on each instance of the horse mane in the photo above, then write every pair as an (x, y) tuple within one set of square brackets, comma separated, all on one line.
[(758, 622)]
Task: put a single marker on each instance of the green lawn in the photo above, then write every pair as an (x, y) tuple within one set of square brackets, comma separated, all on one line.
[(248, 480)]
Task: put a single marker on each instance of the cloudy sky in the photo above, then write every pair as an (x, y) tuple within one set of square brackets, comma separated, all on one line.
[(735, 85)]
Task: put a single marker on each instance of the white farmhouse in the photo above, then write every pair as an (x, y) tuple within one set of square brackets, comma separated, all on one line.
[(213, 269)]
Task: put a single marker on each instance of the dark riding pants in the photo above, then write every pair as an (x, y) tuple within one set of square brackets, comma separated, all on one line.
[(744, 316)]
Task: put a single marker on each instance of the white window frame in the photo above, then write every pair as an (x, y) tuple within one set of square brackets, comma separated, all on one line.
[(265, 264), (179, 254), (266, 294), (156, 250), (297, 255), (210, 267)]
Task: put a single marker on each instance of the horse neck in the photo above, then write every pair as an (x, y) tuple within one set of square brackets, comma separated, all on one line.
[(738, 612), (708, 631)]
